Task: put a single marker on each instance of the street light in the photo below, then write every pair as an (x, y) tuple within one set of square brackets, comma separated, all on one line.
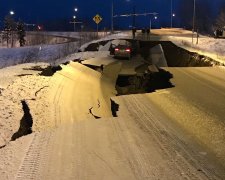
[(150, 25), (74, 23), (74, 19), (11, 12), (112, 23)]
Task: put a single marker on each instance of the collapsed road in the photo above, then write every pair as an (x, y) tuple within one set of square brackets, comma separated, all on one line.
[(173, 133)]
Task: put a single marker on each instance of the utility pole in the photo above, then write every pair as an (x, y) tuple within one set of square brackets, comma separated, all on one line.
[(193, 25), (171, 15), (134, 17), (112, 23), (74, 24), (150, 25)]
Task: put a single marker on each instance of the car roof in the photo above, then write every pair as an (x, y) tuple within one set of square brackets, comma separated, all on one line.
[(121, 42)]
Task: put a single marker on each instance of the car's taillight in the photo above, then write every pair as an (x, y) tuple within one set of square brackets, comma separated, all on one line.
[(117, 49), (128, 50)]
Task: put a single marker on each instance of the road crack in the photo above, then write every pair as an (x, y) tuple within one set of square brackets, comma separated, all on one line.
[(26, 123), (96, 117), (99, 104), (114, 108), (36, 93)]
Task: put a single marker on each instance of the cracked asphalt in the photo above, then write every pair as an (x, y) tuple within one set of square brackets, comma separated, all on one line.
[(160, 135)]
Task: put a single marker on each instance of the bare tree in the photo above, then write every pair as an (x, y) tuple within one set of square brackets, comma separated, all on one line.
[(21, 33), (220, 21), (9, 28)]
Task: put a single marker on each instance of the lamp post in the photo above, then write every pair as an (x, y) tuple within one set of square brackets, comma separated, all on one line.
[(112, 23), (13, 28), (74, 19), (74, 23), (150, 25), (171, 13), (193, 25)]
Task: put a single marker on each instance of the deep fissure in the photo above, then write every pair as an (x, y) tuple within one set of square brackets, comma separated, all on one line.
[(36, 93), (26, 122), (90, 111), (177, 56), (114, 108), (145, 83), (50, 70)]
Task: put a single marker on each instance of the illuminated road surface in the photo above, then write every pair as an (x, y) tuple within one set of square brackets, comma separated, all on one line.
[(176, 133)]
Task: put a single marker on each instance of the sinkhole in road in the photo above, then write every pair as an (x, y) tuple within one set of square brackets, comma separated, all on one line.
[(176, 56), (114, 108), (45, 71), (50, 70), (145, 83)]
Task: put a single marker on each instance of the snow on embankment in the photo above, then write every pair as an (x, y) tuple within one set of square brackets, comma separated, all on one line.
[(70, 34), (213, 48), (42, 53), (49, 53)]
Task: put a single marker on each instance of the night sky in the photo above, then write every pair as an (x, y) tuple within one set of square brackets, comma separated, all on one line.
[(39, 11)]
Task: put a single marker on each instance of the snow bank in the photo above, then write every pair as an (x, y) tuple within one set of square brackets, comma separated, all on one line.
[(18, 83), (48, 53), (44, 53), (68, 34), (213, 48)]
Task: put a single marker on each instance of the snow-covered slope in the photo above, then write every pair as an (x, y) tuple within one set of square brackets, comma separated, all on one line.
[(214, 48), (44, 53)]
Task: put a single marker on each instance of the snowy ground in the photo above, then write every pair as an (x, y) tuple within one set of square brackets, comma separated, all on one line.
[(214, 48), (42, 53), (19, 83)]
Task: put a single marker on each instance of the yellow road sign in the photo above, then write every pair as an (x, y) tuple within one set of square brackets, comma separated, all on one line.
[(97, 19)]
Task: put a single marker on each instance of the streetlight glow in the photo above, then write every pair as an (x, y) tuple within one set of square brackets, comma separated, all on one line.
[(11, 12), (174, 15), (74, 17), (75, 9)]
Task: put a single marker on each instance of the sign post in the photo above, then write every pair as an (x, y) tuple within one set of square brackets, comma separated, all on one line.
[(97, 19)]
